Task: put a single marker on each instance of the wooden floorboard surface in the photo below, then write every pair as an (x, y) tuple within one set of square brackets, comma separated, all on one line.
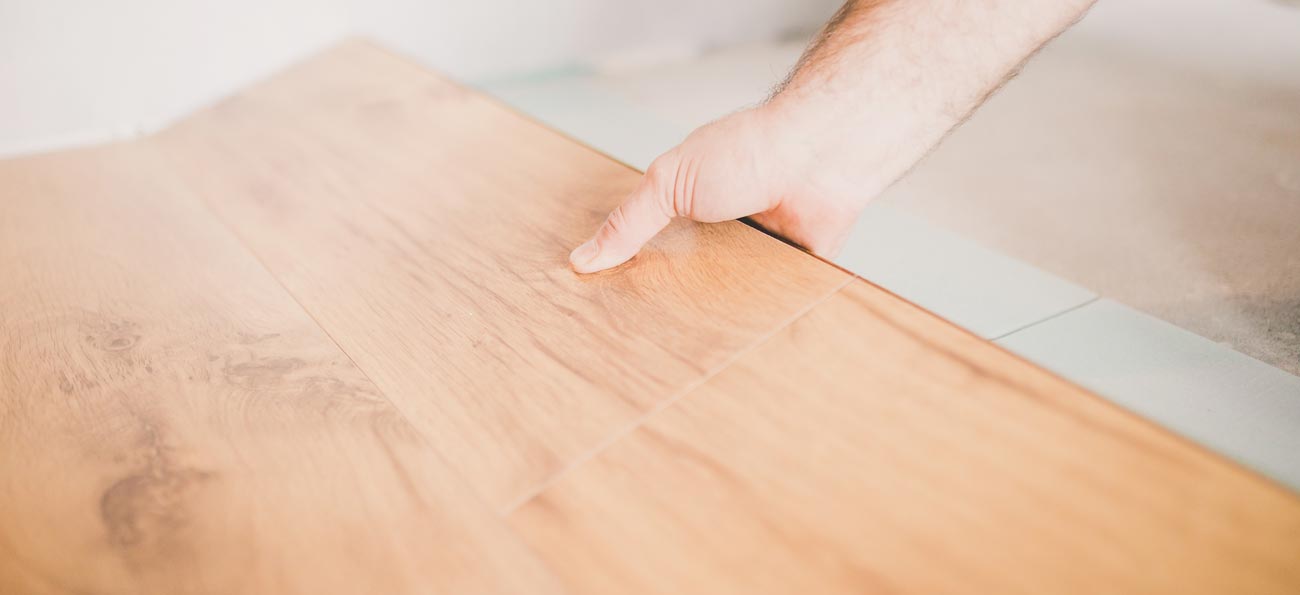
[(872, 448), (171, 421), (427, 229), (322, 337)]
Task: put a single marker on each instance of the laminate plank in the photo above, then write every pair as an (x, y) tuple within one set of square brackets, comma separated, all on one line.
[(171, 421), (427, 229), (871, 447)]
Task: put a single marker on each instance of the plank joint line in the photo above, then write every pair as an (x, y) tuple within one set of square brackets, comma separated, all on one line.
[(1046, 318), (243, 243), (640, 420)]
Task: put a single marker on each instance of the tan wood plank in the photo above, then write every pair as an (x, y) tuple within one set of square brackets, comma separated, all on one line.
[(427, 229), (172, 422), (871, 447)]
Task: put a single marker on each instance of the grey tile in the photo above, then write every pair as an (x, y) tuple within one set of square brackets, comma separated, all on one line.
[(976, 288), (1230, 402), (579, 107)]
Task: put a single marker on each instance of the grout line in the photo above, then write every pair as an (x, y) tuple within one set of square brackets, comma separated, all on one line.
[(1047, 318), (642, 419)]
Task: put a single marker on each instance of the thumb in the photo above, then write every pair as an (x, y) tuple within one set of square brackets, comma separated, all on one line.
[(642, 215)]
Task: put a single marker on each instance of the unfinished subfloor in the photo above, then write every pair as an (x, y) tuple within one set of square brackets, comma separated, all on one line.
[(1173, 190)]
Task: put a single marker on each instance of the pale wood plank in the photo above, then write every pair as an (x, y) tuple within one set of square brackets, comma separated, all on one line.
[(427, 229), (871, 447), (172, 422)]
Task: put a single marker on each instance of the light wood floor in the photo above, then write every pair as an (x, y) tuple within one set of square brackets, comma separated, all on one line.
[(322, 338)]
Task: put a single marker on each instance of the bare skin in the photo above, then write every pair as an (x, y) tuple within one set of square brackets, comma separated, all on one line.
[(880, 86)]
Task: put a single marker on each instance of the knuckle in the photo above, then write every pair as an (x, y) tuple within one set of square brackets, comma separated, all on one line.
[(666, 203), (617, 222), (661, 164), (661, 180), (684, 186)]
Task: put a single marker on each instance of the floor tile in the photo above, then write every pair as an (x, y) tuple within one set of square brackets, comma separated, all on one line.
[(579, 107), (976, 288), (1230, 402)]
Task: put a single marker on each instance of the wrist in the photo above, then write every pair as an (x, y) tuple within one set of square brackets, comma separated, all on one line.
[(881, 133)]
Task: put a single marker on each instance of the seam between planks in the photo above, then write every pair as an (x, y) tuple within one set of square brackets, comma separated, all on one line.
[(206, 205), (661, 406), (1053, 316), (230, 229), (466, 489)]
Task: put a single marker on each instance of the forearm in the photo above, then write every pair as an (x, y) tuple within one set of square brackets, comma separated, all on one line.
[(906, 71), (882, 84)]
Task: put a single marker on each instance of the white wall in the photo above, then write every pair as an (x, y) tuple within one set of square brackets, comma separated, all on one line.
[(83, 71), (79, 71), (488, 40)]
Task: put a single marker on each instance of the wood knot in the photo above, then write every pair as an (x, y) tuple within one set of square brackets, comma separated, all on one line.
[(262, 371), (145, 507), (113, 335)]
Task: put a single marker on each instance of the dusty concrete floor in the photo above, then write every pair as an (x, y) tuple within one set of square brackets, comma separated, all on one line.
[(1171, 189)]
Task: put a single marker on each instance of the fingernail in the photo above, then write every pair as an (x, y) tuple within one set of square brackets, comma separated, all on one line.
[(584, 253)]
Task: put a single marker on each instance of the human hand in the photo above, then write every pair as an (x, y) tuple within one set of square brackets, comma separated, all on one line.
[(784, 171)]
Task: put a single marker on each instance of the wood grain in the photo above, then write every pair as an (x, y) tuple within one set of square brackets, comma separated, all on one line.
[(427, 229), (172, 422), (307, 340), (871, 447)]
